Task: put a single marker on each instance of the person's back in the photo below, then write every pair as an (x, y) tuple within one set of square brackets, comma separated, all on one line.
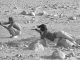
[(49, 35), (17, 26)]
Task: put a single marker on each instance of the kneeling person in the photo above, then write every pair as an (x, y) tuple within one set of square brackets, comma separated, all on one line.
[(13, 28)]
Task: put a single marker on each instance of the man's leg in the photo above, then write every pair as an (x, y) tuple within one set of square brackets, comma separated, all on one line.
[(17, 29), (16, 33), (12, 32)]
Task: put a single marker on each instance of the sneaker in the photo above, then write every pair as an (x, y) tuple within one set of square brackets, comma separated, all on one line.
[(15, 37)]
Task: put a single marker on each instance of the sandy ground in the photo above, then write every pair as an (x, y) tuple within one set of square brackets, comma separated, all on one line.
[(60, 15)]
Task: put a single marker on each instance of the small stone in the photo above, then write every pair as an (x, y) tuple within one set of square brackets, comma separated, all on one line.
[(72, 18), (39, 47), (23, 13)]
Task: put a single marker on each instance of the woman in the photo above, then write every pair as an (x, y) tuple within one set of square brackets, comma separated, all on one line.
[(45, 34)]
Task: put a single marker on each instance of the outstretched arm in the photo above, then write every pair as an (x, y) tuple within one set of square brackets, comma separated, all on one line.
[(37, 30), (5, 23), (3, 26)]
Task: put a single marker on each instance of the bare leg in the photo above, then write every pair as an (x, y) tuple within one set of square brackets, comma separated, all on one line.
[(65, 35)]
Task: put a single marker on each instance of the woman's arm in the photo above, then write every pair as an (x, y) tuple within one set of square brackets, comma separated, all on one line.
[(37, 30)]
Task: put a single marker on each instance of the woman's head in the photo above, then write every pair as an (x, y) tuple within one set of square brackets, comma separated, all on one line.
[(42, 27)]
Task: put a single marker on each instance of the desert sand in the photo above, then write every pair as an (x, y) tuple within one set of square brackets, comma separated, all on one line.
[(56, 14)]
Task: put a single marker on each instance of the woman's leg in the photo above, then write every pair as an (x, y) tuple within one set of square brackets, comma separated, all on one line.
[(65, 35)]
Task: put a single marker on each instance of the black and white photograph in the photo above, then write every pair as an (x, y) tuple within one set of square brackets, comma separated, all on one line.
[(39, 29)]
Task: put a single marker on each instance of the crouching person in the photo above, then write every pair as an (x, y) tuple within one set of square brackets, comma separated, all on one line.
[(13, 28)]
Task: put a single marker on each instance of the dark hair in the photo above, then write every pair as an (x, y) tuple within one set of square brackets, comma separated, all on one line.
[(42, 27), (11, 20)]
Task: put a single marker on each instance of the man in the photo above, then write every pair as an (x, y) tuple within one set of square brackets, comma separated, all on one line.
[(45, 34), (13, 28)]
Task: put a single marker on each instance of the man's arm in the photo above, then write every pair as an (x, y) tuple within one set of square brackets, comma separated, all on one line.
[(5, 23)]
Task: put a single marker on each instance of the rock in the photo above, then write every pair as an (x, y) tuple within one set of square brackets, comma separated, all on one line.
[(65, 43), (57, 54), (39, 47), (31, 14), (60, 54), (23, 13), (36, 46)]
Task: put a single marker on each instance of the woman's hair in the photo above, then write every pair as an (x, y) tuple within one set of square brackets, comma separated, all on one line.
[(42, 27)]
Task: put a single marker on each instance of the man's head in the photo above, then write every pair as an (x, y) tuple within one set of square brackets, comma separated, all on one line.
[(42, 27), (11, 20), (0, 23)]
